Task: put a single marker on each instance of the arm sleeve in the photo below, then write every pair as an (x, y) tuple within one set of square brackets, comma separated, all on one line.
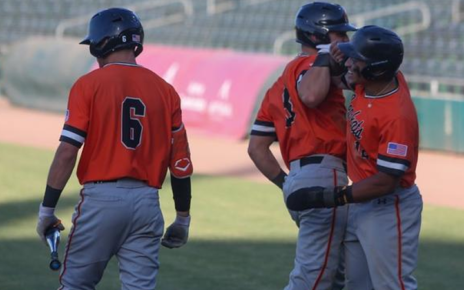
[(77, 116), (397, 148), (180, 163), (182, 193)]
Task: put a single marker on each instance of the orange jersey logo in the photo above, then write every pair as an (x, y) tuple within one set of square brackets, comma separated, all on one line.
[(302, 131), (127, 117), (383, 134)]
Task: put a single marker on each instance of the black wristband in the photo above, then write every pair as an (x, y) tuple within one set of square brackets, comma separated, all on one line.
[(182, 193), (343, 195), (349, 194), (279, 179), (337, 69), (322, 60), (51, 196)]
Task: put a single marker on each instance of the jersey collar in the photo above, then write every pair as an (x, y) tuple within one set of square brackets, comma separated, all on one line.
[(383, 95), (121, 63)]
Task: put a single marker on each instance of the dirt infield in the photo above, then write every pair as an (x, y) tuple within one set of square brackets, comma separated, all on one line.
[(438, 173)]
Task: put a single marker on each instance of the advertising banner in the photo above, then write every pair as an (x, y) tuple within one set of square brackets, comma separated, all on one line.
[(219, 88)]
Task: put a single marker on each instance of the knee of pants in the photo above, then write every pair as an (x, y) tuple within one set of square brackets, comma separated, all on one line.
[(82, 277)]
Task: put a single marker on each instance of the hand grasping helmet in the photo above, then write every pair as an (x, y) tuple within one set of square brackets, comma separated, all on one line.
[(380, 48), (114, 29), (318, 19)]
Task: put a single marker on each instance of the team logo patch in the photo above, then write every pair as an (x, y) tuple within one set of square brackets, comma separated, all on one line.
[(66, 116), (397, 149), (182, 164)]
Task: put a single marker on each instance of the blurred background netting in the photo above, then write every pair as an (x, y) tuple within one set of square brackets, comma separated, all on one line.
[(433, 31)]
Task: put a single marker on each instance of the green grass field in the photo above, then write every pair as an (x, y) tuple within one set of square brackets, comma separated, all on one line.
[(242, 238)]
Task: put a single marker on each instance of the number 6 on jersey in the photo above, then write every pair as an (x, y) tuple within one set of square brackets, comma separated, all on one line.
[(132, 128)]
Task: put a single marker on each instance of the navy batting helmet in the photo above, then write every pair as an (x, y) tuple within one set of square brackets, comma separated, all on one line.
[(318, 19), (380, 48), (114, 29)]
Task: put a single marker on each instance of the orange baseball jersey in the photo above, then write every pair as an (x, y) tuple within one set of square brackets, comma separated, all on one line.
[(131, 123), (302, 131), (383, 134)]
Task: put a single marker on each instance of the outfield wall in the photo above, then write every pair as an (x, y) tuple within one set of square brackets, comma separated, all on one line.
[(441, 123), (220, 89)]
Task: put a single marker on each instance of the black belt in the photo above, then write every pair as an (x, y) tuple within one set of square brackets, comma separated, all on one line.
[(315, 160), (311, 160), (105, 181)]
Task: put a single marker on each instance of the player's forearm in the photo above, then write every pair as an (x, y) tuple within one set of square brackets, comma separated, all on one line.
[(261, 155), (314, 86), (62, 167), (266, 163), (373, 187), (182, 194), (59, 174), (370, 188)]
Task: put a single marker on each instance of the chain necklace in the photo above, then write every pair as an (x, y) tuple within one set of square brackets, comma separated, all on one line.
[(380, 93), (383, 90)]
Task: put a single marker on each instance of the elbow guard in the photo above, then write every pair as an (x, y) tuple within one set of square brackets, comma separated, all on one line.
[(180, 164)]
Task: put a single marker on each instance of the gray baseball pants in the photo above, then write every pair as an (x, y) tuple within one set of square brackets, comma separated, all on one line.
[(319, 250), (122, 219)]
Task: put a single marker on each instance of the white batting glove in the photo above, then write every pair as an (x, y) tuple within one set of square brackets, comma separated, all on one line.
[(323, 48), (177, 233), (46, 220)]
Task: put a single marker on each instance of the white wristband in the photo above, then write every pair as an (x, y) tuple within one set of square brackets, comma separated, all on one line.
[(182, 220), (46, 211)]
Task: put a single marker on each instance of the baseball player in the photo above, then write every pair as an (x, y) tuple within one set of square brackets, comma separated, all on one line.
[(384, 221), (310, 130), (129, 121)]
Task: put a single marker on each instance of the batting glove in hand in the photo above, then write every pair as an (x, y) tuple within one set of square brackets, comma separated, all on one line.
[(47, 219), (177, 233), (319, 197)]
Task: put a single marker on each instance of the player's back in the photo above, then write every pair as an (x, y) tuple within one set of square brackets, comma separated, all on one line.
[(130, 123), (303, 131)]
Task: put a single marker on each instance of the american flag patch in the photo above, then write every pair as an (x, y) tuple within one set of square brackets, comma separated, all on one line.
[(136, 37), (397, 149)]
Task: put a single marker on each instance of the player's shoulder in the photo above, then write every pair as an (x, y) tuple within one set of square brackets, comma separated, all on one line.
[(156, 78), (300, 61), (402, 82), (399, 105), (403, 94), (297, 67)]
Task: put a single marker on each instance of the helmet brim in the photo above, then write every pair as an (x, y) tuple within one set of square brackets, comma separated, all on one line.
[(342, 27), (348, 50), (85, 41)]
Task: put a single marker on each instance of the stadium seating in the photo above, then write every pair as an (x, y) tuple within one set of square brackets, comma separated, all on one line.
[(248, 26)]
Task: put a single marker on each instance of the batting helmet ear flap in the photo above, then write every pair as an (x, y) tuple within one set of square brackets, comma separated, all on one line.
[(378, 71), (381, 50)]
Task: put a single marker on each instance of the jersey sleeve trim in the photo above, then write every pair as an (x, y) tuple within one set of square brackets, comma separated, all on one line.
[(394, 166), (73, 136), (70, 141), (177, 129), (262, 128)]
